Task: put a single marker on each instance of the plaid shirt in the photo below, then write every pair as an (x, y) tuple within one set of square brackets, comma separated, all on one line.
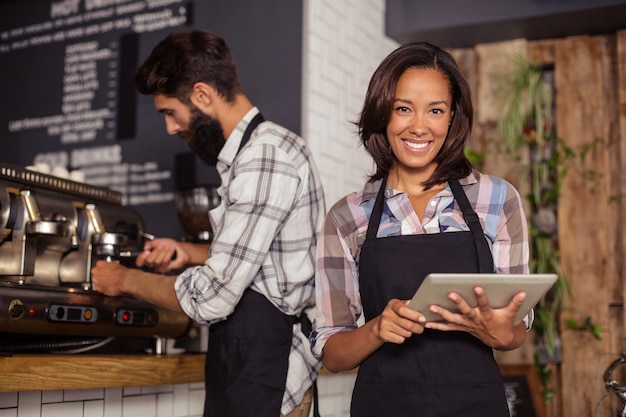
[(496, 202), (265, 235)]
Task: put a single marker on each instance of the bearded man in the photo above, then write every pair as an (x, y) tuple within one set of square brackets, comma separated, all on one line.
[(255, 281)]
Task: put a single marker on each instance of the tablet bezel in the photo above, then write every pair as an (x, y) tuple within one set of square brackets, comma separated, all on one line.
[(500, 289)]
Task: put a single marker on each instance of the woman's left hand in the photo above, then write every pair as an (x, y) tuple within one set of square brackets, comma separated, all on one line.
[(493, 326)]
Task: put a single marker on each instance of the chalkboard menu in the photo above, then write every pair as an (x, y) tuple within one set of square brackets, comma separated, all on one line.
[(68, 98)]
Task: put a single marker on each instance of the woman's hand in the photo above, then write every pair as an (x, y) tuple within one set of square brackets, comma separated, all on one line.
[(398, 322), (494, 327), (346, 350), (163, 255)]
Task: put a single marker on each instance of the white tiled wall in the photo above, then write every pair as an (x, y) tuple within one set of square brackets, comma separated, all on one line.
[(183, 400), (334, 393), (344, 41)]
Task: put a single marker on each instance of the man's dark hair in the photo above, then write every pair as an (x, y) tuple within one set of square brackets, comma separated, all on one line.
[(184, 58), (376, 112)]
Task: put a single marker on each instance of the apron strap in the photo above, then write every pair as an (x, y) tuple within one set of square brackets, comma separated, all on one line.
[(256, 120), (307, 327), (470, 216), (377, 211), (316, 400)]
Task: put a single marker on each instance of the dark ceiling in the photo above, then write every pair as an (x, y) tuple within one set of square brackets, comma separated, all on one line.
[(464, 23)]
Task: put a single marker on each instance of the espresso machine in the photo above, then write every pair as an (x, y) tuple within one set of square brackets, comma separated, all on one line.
[(52, 231)]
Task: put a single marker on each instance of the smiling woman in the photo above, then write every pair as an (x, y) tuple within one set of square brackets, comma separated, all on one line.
[(424, 205)]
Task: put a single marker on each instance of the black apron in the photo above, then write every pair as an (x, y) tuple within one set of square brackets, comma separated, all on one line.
[(436, 373), (248, 353)]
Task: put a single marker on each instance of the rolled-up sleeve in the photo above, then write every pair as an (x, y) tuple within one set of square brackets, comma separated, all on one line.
[(336, 284)]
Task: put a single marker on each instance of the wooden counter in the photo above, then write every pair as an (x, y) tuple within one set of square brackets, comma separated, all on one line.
[(55, 372)]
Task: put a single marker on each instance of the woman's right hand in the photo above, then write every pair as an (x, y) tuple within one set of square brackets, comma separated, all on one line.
[(163, 255), (347, 350), (398, 322)]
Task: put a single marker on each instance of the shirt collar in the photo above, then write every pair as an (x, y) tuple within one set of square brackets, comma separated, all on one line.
[(370, 190), (231, 147)]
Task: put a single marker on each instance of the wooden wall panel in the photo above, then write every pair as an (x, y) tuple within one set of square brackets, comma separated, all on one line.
[(586, 98), (466, 59), (620, 188), (541, 52)]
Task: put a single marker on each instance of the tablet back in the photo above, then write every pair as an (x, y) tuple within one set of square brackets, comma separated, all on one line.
[(500, 289)]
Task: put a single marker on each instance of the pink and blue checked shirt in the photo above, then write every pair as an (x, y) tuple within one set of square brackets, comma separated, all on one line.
[(496, 202)]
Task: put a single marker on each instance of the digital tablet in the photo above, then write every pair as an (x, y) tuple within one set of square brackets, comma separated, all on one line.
[(500, 289)]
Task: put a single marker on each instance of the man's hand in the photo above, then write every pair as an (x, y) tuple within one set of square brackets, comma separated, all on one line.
[(163, 255), (109, 278), (113, 279)]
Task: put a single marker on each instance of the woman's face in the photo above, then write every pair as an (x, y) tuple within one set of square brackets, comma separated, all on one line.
[(422, 111)]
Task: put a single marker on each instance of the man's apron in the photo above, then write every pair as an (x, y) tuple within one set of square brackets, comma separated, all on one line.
[(436, 373), (248, 353)]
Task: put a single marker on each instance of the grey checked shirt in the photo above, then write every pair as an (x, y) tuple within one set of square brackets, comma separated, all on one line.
[(266, 229)]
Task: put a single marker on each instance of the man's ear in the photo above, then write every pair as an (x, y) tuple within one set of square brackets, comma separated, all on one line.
[(202, 95)]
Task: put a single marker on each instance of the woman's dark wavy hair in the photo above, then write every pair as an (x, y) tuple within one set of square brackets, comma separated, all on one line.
[(376, 112), (184, 58)]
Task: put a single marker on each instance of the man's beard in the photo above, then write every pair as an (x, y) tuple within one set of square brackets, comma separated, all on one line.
[(204, 136)]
